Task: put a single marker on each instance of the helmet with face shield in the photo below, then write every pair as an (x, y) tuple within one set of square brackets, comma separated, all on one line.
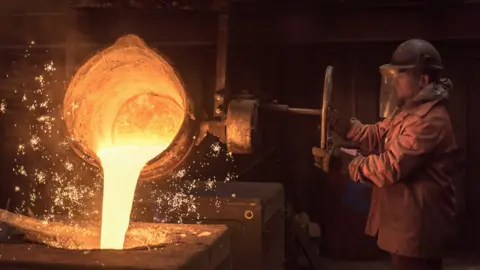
[(413, 57)]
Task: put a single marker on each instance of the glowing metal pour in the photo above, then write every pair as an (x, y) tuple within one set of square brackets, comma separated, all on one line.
[(123, 108), (107, 114)]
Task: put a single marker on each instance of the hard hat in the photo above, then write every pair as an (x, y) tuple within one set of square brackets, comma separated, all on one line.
[(416, 54)]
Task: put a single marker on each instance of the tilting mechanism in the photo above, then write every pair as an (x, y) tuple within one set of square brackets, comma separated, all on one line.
[(239, 130)]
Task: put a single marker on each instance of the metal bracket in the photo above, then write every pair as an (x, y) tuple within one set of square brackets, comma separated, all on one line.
[(242, 133)]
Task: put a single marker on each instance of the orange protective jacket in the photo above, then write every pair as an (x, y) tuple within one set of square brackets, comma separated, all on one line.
[(411, 164)]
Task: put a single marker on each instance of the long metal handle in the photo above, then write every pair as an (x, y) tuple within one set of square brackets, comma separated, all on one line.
[(327, 93), (281, 108)]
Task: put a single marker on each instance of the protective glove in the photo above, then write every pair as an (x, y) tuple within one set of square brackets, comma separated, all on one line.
[(338, 123), (346, 155), (341, 125), (338, 141), (343, 155), (321, 158)]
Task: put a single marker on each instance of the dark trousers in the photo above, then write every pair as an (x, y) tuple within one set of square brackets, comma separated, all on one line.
[(407, 263)]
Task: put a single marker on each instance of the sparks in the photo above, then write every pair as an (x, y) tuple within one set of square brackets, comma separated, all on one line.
[(44, 156), (3, 106)]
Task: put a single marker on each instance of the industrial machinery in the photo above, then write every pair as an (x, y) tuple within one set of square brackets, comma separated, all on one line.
[(240, 129), (255, 216)]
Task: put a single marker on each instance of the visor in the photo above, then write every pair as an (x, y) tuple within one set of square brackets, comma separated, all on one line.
[(388, 100)]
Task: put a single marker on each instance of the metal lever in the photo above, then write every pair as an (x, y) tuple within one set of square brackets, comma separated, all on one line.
[(285, 109), (325, 137), (327, 93)]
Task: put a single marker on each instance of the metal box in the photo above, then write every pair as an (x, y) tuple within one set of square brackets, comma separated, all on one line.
[(254, 213)]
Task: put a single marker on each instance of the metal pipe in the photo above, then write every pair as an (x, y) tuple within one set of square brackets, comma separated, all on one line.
[(281, 108), (222, 50), (305, 111)]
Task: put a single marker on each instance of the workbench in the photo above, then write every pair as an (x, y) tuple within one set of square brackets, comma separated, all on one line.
[(205, 251)]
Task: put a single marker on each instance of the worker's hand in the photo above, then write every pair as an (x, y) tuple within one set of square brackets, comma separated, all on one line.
[(321, 158), (338, 141), (346, 155), (341, 125)]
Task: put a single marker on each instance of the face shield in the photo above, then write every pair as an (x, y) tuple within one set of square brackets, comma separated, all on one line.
[(388, 92)]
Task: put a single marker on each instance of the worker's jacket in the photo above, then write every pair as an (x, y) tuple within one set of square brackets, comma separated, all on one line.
[(410, 166)]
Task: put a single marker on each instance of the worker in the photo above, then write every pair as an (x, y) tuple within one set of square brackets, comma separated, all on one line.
[(408, 158)]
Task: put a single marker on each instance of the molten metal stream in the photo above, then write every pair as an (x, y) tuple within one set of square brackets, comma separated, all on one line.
[(121, 163), (144, 127)]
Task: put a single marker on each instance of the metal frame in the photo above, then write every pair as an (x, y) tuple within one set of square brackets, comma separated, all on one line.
[(222, 51)]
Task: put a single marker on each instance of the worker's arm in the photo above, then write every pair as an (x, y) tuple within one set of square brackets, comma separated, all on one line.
[(368, 137), (405, 153)]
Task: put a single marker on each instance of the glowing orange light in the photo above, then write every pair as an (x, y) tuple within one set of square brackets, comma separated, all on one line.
[(125, 105)]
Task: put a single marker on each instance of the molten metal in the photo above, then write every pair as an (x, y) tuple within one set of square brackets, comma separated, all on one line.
[(121, 169), (123, 108), (84, 235)]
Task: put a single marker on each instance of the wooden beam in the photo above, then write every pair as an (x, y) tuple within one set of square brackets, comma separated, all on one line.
[(358, 25)]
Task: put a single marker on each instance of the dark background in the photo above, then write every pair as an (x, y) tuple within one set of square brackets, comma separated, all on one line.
[(277, 50)]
